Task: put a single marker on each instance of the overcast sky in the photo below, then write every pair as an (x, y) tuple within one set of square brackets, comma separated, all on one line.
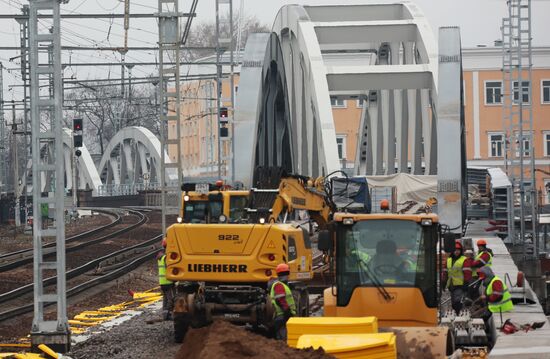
[(479, 21)]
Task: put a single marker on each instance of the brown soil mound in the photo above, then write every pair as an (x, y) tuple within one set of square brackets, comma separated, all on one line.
[(223, 340)]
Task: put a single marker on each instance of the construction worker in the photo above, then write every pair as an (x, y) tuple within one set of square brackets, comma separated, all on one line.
[(496, 294), (166, 285), (484, 255), (282, 300), (470, 275), (454, 277)]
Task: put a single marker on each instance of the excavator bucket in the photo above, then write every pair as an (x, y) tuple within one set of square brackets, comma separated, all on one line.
[(422, 342)]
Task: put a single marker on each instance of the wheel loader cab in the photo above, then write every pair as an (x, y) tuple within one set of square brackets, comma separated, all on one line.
[(386, 267)]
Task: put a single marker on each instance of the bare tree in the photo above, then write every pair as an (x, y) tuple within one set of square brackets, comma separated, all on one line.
[(204, 33), (105, 111)]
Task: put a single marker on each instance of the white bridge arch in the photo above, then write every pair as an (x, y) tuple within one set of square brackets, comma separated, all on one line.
[(88, 177), (132, 158), (382, 54), (130, 161)]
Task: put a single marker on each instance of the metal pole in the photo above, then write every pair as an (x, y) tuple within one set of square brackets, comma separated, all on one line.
[(17, 206), (3, 177), (24, 36), (169, 87), (75, 185), (232, 82), (47, 131), (218, 88)]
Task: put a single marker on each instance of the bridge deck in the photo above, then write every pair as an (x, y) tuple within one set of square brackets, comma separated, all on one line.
[(531, 344)]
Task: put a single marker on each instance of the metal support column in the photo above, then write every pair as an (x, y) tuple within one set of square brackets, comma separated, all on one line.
[(3, 177), (170, 107), (24, 43), (518, 119), (46, 119), (224, 45)]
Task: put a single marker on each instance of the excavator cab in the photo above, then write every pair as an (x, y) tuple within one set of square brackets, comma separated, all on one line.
[(385, 266), (207, 203)]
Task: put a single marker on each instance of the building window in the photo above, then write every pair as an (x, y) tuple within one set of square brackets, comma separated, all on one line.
[(547, 143), (496, 145), (341, 143), (337, 102), (547, 190), (526, 146), (360, 102), (545, 92), (493, 92), (525, 94)]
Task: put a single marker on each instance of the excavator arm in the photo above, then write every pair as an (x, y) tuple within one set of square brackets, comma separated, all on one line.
[(305, 194)]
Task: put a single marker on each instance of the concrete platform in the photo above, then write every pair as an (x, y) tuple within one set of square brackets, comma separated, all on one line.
[(531, 344)]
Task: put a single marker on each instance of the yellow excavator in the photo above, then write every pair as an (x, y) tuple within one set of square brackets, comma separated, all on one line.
[(223, 267)]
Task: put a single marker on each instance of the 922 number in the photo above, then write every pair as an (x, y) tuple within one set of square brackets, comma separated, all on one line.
[(228, 237)]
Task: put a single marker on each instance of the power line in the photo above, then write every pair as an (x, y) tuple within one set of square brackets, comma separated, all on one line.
[(89, 16)]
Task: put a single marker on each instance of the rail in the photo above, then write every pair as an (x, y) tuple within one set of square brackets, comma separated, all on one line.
[(15, 264), (116, 273), (113, 223)]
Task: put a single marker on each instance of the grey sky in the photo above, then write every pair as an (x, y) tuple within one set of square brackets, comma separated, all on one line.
[(479, 21)]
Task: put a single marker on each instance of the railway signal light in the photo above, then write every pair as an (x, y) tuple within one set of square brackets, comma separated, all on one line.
[(224, 114), (77, 124), (77, 132)]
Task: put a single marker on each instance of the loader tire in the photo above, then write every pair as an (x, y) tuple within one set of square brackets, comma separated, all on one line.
[(181, 325)]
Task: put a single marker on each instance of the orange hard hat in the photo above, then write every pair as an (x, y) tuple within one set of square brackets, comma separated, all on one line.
[(281, 268), (384, 204), (481, 242), (164, 243)]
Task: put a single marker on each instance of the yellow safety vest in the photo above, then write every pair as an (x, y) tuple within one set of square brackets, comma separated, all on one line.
[(289, 299), (361, 256), (489, 263), (505, 304), (161, 263), (455, 271)]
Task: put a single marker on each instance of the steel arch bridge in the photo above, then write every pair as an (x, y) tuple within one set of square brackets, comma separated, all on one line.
[(130, 161), (382, 54)]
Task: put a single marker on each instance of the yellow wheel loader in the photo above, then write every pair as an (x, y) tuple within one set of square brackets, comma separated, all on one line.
[(386, 265)]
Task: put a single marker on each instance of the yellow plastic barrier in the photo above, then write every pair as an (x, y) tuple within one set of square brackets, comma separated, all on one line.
[(347, 346), (48, 351), (298, 326)]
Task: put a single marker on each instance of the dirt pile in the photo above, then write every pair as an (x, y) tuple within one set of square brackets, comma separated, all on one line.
[(224, 340)]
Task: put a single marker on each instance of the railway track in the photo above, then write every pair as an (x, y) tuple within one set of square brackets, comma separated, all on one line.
[(19, 258), (125, 260)]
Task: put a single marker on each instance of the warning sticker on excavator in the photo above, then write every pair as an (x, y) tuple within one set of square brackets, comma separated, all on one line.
[(271, 244)]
